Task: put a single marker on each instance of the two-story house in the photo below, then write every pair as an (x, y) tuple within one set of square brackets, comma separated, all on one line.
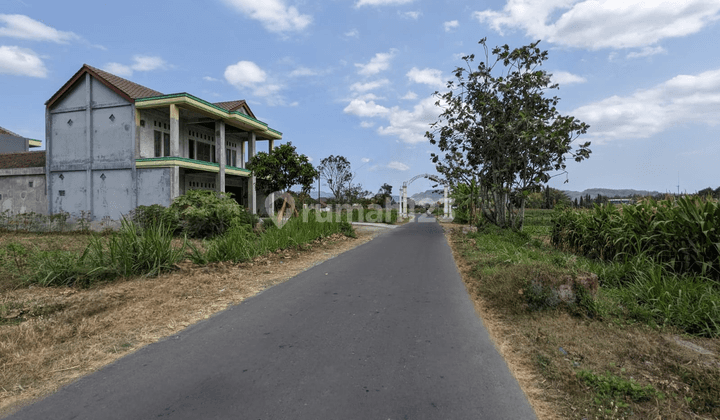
[(113, 145)]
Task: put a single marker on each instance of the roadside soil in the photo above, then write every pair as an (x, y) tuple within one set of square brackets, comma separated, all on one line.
[(52, 336), (544, 350)]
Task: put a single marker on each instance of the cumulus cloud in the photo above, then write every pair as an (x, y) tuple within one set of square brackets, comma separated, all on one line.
[(680, 100), (303, 71), (361, 3), (274, 15), (646, 52), (140, 63), (565, 78), (398, 166), (432, 77), (21, 62), (596, 24), (380, 62), (353, 33), (449, 26), (410, 96), (410, 126), (411, 15), (246, 75), (24, 27), (367, 124), (365, 160), (365, 108), (365, 87)]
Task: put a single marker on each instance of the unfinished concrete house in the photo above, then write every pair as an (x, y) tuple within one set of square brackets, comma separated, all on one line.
[(113, 145), (22, 175)]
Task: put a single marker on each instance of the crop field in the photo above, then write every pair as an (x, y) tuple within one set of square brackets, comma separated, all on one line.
[(595, 317)]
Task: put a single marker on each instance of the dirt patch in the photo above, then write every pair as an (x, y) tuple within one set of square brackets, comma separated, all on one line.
[(548, 351), (52, 336)]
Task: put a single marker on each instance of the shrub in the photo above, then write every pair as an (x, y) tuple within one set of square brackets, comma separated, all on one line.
[(205, 214), (148, 216)]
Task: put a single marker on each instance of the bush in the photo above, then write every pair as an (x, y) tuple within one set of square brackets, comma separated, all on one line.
[(149, 216), (205, 214)]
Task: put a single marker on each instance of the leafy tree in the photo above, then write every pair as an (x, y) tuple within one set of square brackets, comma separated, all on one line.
[(502, 129), (384, 193), (280, 169), (336, 172)]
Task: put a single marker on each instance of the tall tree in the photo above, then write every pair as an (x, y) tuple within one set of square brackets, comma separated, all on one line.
[(336, 172), (280, 169), (498, 125)]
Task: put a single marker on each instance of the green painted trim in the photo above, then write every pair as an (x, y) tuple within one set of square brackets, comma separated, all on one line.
[(35, 143), (206, 103), (168, 161)]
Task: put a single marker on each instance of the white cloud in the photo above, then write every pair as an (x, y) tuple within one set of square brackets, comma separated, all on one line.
[(24, 27), (365, 160), (365, 108), (596, 24), (398, 166), (449, 26), (367, 124), (381, 2), (274, 15), (432, 77), (410, 96), (211, 79), (310, 159), (364, 87), (380, 62), (369, 97), (683, 99), (353, 33), (304, 71), (565, 78), (411, 15), (141, 63), (248, 75), (21, 62), (410, 126), (118, 69), (646, 52)]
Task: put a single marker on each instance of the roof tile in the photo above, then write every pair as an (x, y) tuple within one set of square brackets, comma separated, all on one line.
[(131, 89), (22, 160)]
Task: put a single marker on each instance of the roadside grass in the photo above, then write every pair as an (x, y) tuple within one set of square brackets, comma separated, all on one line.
[(622, 352), (51, 335)]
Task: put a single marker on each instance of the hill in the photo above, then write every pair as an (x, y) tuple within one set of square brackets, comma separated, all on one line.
[(594, 192)]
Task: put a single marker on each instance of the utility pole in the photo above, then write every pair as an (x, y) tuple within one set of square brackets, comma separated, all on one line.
[(678, 185)]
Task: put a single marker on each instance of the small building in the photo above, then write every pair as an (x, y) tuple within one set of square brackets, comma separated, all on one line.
[(11, 142), (113, 145), (22, 183)]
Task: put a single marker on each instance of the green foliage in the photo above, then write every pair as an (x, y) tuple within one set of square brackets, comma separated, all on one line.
[(147, 216), (241, 244), (503, 129), (609, 386), (204, 214), (282, 168), (683, 235)]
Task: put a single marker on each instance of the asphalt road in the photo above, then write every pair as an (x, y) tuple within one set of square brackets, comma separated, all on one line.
[(385, 331)]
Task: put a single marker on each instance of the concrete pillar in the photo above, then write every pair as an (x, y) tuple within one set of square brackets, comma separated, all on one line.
[(405, 205), (252, 194), (174, 130), (241, 158), (220, 154), (271, 146), (446, 204), (89, 138)]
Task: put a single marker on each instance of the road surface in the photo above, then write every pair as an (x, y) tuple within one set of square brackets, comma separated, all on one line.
[(384, 331)]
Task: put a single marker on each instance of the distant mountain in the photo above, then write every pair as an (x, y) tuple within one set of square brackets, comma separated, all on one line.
[(606, 192), (427, 197)]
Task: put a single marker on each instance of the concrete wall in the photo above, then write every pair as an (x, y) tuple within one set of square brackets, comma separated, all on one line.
[(12, 144), (153, 186), (16, 194), (91, 152)]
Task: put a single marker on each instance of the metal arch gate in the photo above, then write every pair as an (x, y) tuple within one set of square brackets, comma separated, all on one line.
[(403, 195)]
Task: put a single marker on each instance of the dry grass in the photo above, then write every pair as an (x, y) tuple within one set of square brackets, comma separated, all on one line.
[(531, 344), (66, 333)]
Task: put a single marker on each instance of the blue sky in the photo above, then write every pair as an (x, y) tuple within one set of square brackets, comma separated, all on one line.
[(355, 77)]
